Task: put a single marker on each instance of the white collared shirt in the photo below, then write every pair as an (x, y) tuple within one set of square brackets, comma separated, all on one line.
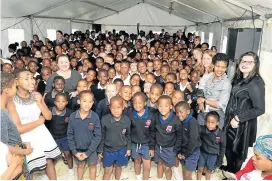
[(182, 88), (100, 87)]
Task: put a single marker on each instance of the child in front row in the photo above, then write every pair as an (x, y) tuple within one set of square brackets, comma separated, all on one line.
[(213, 146), (84, 135), (167, 135), (58, 128), (189, 145), (142, 135), (115, 146)]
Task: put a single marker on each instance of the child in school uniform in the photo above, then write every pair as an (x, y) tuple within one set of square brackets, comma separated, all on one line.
[(125, 94), (185, 85), (190, 143), (84, 135), (58, 128), (169, 88), (135, 89), (91, 77), (213, 146), (115, 145), (156, 91), (142, 135), (103, 106), (167, 135), (81, 86), (58, 84), (99, 89)]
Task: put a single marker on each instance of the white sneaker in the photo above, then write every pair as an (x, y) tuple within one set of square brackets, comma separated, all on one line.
[(71, 174), (124, 176), (138, 177), (177, 173)]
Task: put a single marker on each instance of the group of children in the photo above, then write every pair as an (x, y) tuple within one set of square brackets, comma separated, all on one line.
[(127, 123), (137, 105)]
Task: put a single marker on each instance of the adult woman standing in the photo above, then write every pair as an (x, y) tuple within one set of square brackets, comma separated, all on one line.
[(198, 66), (246, 103), (216, 91), (60, 40), (208, 67), (71, 76)]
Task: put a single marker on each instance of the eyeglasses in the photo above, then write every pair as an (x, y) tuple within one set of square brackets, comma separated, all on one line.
[(247, 62)]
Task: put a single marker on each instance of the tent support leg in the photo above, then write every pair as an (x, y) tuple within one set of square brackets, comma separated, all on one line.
[(70, 26), (31, 26)]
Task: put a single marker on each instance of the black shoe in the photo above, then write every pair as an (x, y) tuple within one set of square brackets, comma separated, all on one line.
[(64, 160), (224, 167)]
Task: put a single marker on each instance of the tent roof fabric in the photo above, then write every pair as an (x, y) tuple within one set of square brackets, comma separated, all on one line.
[(196, 11)]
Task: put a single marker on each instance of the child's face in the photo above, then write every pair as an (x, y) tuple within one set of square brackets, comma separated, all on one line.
[(183, 74), (116, 108), (174, 65), (119, 85), (150, 79), (61, 102), (211, 123), (138, 103), (103, 78), (260, 162), (135, 80), (133, 67), (59, 85), (147, 87), (182, 113), (26, 81), (125, 93), (111, 73), (135, 89), (164, 72), (169, 89), (32, 67), (154, 95), (99, 63), (142, 68), (46, 74), (80, 69), (111, 91), (150, 67), (164, 106), (7, 68), (73, 62), (90, 76), (54, 66), (177, 97), (157, 65), (194, 78), (117, 67), (124, 68), (170, 78), (81, 86), (78, 55), (86, 102)]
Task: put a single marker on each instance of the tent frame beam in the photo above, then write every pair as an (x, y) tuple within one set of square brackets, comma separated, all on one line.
[(196, 9), (243, 6), (161, 5), (115, 13), (69, 19), (52, 7), (97, 10), (102, 7)]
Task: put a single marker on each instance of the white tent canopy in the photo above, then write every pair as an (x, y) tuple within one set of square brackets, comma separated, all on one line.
[(21, 19)]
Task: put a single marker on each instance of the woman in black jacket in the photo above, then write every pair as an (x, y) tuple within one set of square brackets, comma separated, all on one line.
[(246, 103)]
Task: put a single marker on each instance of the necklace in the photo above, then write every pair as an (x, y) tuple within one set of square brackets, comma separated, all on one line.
[(24, 101)]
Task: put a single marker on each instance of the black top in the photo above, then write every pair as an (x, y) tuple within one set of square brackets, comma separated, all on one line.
[(98, 93), (59, 123), (103, 108), (190, 137), (167, 135), (84, 134), (49, 100), (115, 134), (213, 143), (143, 128), (247, 101)]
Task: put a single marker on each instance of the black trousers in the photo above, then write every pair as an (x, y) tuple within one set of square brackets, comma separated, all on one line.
[(234, 162)]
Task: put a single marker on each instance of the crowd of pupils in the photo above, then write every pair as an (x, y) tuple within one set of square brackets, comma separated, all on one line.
[(115, 97)]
